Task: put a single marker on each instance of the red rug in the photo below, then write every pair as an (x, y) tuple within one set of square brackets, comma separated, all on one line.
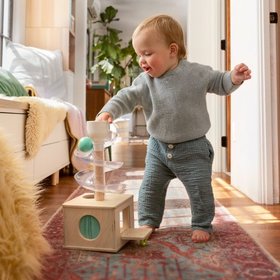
[(170, 254)]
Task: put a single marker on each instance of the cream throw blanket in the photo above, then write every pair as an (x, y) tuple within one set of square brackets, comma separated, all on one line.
[(43, 116), (22, 245), (76, 128)]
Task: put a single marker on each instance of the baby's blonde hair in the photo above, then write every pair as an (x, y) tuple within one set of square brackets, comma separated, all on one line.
[(169, 28)]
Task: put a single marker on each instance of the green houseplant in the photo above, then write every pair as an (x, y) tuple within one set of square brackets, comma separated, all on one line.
[(113, 61)]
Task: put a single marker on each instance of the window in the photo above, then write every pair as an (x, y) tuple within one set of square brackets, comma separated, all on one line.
[(6, 24)]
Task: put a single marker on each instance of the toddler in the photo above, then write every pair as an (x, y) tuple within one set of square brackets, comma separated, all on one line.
[(172, 92)]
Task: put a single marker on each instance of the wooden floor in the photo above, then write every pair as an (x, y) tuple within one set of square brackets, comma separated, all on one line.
[(260, 221)]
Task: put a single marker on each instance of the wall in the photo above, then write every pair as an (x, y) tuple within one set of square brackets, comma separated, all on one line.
[(251, 106)]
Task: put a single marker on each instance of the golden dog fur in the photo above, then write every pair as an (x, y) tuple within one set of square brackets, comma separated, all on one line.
[(22, 244)]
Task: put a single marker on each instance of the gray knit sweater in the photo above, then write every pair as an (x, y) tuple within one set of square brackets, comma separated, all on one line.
[(175, 103)]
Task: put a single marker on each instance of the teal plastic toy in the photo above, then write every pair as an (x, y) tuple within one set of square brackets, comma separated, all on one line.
[(85, 144)]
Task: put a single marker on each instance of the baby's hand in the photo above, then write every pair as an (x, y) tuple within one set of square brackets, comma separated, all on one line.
[(240, 73), (105, 117)]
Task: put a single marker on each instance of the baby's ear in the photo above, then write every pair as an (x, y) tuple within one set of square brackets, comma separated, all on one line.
[(173, 49)]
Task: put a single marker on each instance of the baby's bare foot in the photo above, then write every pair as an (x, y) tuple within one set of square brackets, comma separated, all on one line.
[(200, 236)]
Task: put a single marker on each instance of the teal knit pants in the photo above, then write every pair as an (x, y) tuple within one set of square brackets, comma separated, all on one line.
[(190, 162)]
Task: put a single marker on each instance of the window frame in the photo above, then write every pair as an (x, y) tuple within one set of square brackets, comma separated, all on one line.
[(6, 24)]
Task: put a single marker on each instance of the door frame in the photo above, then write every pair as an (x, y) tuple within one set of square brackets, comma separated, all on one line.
[(275, 96), (228, 98)]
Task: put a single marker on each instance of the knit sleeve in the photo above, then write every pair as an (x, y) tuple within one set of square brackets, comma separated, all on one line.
[(125, 100), (220, 83)]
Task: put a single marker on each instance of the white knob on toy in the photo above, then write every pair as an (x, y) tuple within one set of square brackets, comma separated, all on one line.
[(99, 131)]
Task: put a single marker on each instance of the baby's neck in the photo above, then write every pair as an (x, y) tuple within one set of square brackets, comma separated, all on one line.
[(173, 65)]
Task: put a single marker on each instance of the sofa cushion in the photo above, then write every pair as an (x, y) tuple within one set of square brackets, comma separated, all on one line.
[(9, 85)]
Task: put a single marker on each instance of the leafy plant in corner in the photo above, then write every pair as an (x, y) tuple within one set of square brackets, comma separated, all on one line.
[(113, 61)]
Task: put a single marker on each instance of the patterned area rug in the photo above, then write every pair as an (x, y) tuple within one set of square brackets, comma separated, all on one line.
[(170, 253)]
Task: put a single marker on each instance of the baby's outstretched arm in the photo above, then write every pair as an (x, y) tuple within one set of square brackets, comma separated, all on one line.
[(240, 73), (105, 117)]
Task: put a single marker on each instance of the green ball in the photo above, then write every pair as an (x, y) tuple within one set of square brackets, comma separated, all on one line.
[(85, 144)]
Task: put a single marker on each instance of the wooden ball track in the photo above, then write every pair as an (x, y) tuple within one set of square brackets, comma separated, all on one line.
[(102, 220)]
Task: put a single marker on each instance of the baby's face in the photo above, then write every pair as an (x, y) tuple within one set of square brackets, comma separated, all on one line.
[(155, 56)]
